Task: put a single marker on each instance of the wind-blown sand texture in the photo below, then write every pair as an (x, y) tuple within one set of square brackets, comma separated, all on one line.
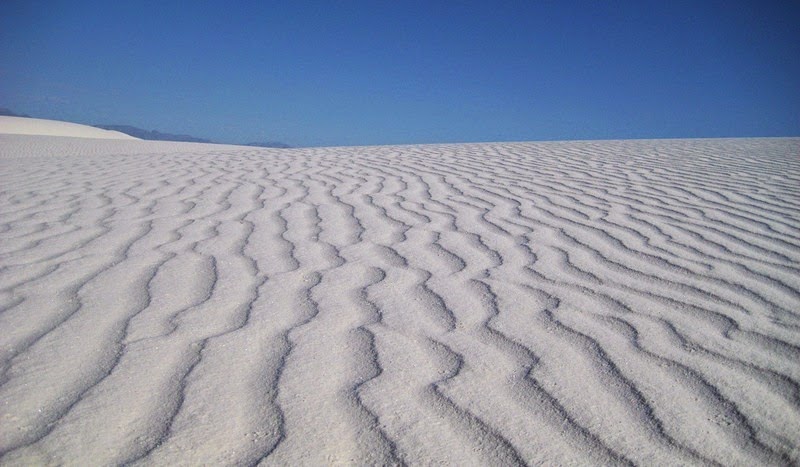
[(479, 304)]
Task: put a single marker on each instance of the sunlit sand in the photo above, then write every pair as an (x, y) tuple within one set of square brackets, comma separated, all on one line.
[(468, 304)]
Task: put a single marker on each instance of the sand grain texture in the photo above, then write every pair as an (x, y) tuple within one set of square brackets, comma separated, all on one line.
[(618, 302)]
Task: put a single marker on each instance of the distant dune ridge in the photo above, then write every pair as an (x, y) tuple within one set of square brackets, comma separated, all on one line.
[(594, 303), (36, 126)]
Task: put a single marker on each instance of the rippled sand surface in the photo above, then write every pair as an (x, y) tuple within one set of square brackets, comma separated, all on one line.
[(606, 302)]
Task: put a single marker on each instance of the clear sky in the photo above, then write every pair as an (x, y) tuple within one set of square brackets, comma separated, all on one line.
[(385, 72)]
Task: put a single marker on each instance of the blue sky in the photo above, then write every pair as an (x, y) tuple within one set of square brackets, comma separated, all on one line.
[(311, 73)]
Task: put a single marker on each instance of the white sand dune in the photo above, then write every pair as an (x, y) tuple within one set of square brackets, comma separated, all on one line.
[(38, 126), (587, 303)]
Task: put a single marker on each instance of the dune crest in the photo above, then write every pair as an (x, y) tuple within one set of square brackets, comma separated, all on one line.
[(42, 127), (593, 303)]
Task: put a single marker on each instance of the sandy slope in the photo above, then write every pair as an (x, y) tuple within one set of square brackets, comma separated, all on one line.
[(565, 303), (38, 126)]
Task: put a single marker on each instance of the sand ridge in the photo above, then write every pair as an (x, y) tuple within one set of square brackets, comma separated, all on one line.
[(44, 127), (609, 302)]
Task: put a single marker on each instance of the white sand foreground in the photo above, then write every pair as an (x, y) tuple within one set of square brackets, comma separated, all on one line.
[(585, 303)]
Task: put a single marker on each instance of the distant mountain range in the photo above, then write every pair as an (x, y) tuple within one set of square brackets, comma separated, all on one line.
[(4, 112), (155, 135), (270, 144)]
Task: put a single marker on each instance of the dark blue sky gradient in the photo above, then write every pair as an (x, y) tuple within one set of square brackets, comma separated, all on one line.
[(309, 73)]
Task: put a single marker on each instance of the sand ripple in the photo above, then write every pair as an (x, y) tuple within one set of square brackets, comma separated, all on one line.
[(610, 302)]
